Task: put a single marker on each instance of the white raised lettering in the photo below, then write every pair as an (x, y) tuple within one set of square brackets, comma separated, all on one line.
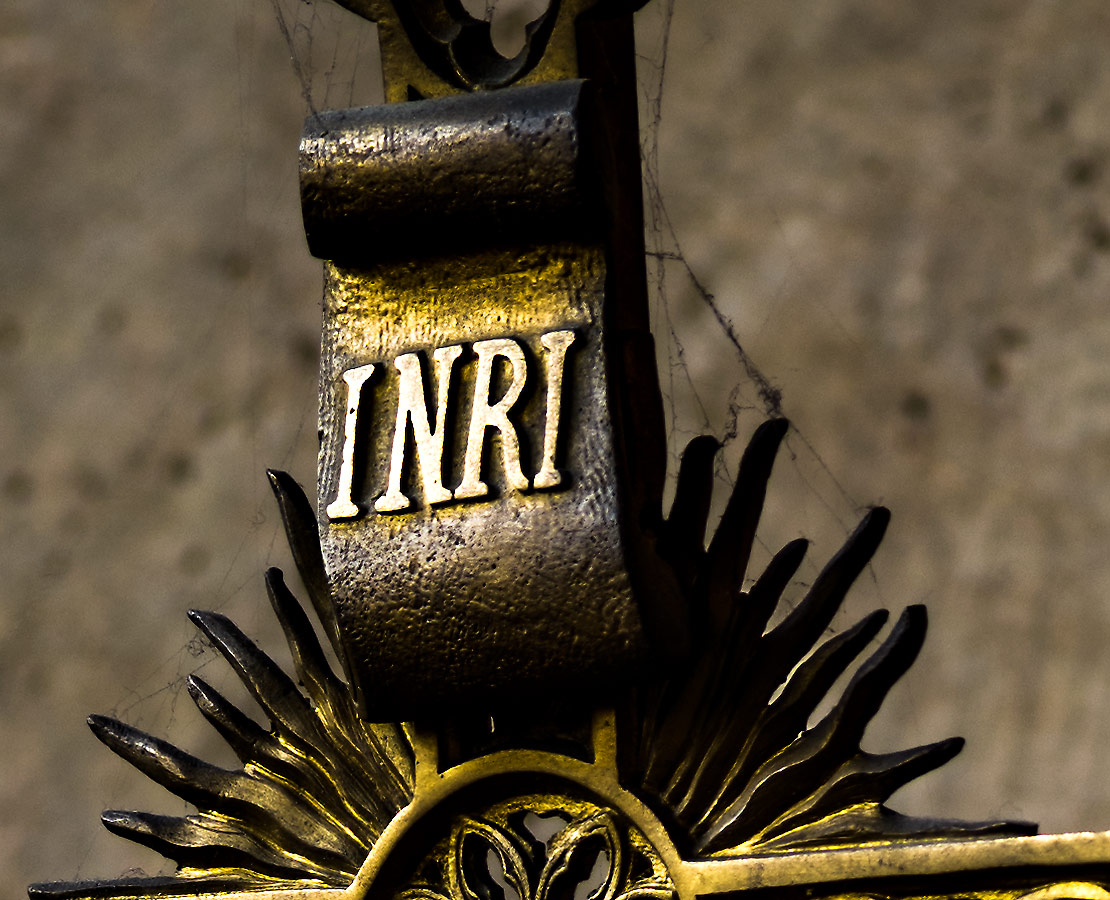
[(343, 506), (556, 344), (411, 406), (484, 415)]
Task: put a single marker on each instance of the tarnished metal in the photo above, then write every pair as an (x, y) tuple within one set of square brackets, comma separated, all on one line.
[(489, 513), (497, 558), (429, 178), (714, 780), (491, 565), (432, 48)]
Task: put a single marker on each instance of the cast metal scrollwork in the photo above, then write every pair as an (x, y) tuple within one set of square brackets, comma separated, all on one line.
[(546, 848), (714, 769), (721, 750), (458, 48)]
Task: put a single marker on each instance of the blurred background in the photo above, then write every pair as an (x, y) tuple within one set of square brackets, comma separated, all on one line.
[(900, 212)]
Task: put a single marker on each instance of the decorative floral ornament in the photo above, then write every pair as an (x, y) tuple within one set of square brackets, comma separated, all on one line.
[(588, 858), (458, 47)]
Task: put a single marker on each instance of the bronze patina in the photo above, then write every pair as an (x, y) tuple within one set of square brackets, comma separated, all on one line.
[(549, 688)]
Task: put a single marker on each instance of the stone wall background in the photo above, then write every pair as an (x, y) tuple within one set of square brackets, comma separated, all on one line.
[(902, 208)]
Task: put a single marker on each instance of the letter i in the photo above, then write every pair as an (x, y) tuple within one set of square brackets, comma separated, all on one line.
[(343, 506), (556, 344)]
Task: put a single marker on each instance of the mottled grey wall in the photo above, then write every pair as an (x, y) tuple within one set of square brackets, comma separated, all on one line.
[(901, 206)]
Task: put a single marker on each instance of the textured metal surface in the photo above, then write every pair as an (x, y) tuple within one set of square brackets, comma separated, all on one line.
[(424, 178), (501, 593), (494, 564), (492, 446), (433, 48), (719, 779)]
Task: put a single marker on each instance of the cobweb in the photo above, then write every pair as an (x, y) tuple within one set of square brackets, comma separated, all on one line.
[(334, 58), (911, 211)]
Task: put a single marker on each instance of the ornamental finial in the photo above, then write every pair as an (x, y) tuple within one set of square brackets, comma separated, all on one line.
[(433, 48)]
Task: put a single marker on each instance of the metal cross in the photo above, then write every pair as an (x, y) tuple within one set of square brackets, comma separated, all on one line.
[(549, 689)]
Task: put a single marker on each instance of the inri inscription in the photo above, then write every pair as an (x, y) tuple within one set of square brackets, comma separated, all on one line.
[(414, 420)]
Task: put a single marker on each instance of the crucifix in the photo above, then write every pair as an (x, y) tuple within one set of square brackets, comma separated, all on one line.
[(546, 685)]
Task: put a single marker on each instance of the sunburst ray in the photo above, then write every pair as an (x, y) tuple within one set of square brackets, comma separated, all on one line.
[(314, 791), (724, 746)]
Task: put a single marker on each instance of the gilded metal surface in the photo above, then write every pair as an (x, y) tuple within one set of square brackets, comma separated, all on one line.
[(711, 780), (544, 846), (491, 564), (417, 179), (487, 531), (432, 48), (450, 555)]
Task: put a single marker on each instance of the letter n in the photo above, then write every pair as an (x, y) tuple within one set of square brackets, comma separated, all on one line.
[(412, 407)]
